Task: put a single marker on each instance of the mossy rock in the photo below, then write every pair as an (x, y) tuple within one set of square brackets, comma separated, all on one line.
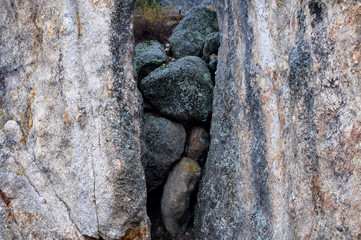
[(189, 36), (181, 90), (148, 56)]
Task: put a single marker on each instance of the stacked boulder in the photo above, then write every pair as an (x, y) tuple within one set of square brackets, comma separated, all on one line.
[(178, 107)]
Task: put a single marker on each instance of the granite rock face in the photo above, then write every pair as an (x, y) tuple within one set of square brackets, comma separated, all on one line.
[(148, 56), (188, 37), (164, 142), (180, 184), (67, 84), (181, 90), (284, 159)]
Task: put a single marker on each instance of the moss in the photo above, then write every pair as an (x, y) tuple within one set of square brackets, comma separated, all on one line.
[(149, 43)]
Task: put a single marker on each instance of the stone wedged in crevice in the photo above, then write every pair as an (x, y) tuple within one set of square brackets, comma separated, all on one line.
[(198, 150)]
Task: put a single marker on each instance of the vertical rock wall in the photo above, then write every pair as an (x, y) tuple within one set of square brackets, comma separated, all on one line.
[(284, 160), (67, 87)]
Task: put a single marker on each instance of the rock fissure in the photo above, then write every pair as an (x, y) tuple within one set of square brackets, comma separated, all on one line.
[(178, 95)]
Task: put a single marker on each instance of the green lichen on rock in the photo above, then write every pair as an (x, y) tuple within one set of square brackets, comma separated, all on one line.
[(189, 36), (148, 56), (181, 90)]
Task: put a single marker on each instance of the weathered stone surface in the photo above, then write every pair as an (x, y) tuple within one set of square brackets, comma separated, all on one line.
[(284, 160), (212, 65), (164, 142), (181, 89), (181, 182), (66, 77), (183, 6), (189, 36), (148, 56), (12, 131), (211, 45), (2, 138), (198, 143)]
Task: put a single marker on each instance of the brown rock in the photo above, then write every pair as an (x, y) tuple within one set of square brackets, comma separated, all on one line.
[(198, 143), (175, 200)]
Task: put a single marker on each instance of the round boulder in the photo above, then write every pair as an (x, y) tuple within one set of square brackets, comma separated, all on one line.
[(148, 56), (181, 90), (189, 36), (164, 143), (181, 182)]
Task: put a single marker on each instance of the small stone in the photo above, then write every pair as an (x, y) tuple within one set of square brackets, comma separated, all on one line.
[(148, 56), (164, 143), (211, 45), (212, 65), (13, 131), (181, 182), (198, 143)]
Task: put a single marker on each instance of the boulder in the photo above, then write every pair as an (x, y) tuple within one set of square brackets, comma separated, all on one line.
[(181, 90), (189, 36), (164, 143), (148, 56), (211, 45), (198, 143), (180, 184)]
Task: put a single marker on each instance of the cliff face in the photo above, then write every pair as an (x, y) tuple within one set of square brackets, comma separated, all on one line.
[(284, 160), (70, 153)]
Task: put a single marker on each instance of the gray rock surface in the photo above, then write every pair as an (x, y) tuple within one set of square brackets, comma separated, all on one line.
[(286, 124), (164, 142), (181, 182), (198, 143), (189, 36), (12, 131), (148, 56), (212, 65), (183, 6), (181, 89), (2, 138), (211, 45), (66, 78)]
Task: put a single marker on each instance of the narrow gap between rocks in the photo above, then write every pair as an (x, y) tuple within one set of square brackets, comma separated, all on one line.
[(175, 63)]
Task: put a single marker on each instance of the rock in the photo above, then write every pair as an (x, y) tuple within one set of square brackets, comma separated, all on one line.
[(198, 143), (189, 36), (148, 56), (164, 143), (284, 159), (71, 63), (212, 65), (180, 184), (211, 45), (2, 138), (183, 6), (181, 90), (13, 132)]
